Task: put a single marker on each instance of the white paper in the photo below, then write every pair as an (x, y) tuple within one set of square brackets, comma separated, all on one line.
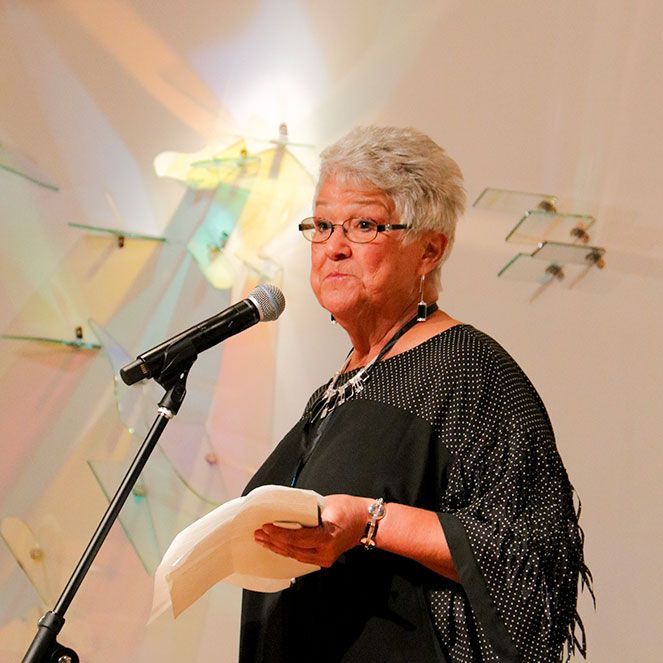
[(220, 546)]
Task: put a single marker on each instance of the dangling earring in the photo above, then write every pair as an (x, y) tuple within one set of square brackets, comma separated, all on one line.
[(332, 318), (422, 307)]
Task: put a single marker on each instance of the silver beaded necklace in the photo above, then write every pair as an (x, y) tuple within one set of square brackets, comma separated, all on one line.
[(337, 395)]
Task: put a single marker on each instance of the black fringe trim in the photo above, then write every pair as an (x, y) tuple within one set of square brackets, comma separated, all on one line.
[(572, 642)]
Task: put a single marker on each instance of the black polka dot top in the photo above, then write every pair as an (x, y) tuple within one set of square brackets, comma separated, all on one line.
[(452, 425), (507, 504)]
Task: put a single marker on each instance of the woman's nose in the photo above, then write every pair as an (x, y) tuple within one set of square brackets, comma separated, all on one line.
[(338, 246)]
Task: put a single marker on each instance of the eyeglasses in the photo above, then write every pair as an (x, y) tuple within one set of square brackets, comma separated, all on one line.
[(359, 230)]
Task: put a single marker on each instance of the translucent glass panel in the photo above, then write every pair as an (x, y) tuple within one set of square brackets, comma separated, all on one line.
[(161, 505), (30, 556), (210, 239), (539, 226), (16, 164), (517, 202), (207, 168), (562, 254), (547, 261), (118, 232), (524, 267), (206, 172), (185, 445), (77, 343)]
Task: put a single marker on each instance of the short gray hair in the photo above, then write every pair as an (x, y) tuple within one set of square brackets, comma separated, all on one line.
[(425, 184)]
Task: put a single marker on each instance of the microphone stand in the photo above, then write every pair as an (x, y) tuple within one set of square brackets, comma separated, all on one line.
[(45, 648)]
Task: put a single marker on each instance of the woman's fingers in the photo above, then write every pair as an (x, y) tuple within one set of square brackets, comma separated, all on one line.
[(316, 547), (306, 537), (343, 522), (307, 555), (296, 540)]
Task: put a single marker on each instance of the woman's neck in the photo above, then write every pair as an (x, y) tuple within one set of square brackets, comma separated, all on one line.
[(368, 341), (366, 347)]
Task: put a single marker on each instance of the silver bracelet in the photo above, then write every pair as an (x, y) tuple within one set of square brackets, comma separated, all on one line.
[(377, 511)]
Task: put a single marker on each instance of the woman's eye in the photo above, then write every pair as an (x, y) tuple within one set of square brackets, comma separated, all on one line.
[(322, 226), (364, 224)]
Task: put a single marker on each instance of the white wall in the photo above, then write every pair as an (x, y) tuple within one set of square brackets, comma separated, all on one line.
[(556, 97)]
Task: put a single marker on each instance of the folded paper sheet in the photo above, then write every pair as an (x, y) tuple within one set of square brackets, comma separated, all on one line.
[(220, 546)]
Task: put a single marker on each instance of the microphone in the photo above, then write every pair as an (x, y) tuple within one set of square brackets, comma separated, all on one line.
[(265, 302)]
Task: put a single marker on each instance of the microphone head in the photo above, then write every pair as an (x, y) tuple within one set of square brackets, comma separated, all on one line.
[(269, 301)]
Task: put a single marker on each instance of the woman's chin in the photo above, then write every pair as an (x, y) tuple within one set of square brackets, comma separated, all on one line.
[(338, 300), (341, 309)]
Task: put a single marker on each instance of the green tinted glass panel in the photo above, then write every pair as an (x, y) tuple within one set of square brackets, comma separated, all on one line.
[(159, 508), (185, 445), (517, 202), (211, 237), (539, 226), (561, 253), (118, 232), (76, 343), (15, 164), (523, 267)]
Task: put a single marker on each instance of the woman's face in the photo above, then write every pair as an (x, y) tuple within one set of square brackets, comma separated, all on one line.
[(378, 278)]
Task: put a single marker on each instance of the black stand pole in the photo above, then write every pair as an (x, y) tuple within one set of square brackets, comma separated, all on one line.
[(45, 648)]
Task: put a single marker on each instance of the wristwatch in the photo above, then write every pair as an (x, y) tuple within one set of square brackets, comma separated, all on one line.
[(377, 511)]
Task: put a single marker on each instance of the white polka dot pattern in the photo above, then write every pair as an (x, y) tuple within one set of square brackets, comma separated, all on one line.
[(507, 488)]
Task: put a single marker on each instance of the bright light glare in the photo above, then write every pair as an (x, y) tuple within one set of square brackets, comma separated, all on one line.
[(268, 102)]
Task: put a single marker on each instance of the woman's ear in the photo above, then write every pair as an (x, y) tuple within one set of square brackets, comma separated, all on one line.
[(435, 245)]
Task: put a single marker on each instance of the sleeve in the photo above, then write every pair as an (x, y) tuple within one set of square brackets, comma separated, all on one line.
[(513, 533)]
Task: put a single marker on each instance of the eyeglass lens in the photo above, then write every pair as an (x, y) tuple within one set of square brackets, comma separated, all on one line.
[(358, 230)]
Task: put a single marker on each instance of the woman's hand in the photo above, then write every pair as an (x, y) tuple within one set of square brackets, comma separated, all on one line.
[(406, 530), (344, 520)]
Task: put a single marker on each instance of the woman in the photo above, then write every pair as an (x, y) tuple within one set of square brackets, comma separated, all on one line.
[(449, 532)]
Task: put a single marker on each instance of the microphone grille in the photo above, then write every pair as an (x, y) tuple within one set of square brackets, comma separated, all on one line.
[(269, 301)]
